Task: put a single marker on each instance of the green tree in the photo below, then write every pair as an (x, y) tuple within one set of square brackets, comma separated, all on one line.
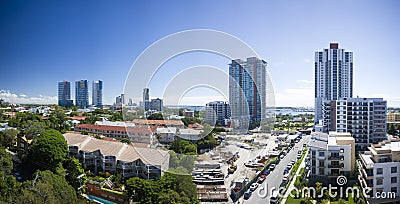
[(155, 116), (48, 150), (392, 130), (33, 129), (6, 164), (8, 137), (47, 187), (74, 170), (141, 190), (125, 140), (169, 197)]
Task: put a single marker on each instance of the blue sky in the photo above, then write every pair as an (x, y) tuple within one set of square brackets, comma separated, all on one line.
[(43, 42)]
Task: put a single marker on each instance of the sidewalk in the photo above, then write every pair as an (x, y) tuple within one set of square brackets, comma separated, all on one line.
[(291, 186)]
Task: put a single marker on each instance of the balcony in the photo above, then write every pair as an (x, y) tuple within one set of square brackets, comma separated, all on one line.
[(336, 157), (336, 166)]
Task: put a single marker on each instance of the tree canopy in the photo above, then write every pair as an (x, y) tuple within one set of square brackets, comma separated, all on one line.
[(47, 187), (48, 150), (170, 188)]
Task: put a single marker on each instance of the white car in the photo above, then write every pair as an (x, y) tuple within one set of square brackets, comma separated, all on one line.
[(254, 186)]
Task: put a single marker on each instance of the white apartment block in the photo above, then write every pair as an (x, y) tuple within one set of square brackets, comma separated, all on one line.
[(112, 156), (364, 118), (217, 112), (380, 169), (331, 155), (333, 76)]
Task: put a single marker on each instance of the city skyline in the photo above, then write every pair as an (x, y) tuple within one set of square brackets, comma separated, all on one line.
[(59, 41)]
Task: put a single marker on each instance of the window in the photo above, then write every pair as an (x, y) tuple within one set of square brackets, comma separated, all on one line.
[(321, 154), (379, 171), (393, 179), (394, 169), (379, 181), (393, 189)]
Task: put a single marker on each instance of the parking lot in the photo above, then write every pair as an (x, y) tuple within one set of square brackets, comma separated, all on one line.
[(259, 144)]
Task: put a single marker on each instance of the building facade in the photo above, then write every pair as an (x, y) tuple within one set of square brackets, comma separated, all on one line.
[(247, 90), (393, 117), (100, 155), (217, 112), (134, 134), (364, 118), (333, 76), (146, 99), (331, 155), (82, 93), (97, 93), (380, 169), (64, 93), (157, 104)]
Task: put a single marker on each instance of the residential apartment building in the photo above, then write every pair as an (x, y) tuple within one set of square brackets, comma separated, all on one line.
[(331, 155), (101, 155), (247, 91), (157, 104), (64, 94), (217, 112), (364, 118), (393, 117), (97, 93), (82, 93), (136, 134), (380, 170), (333, 76)]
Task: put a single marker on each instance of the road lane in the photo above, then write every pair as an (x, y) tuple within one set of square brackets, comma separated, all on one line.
[(274, 179)]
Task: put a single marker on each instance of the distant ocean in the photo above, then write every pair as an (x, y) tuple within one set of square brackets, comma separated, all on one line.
[(278, 111)]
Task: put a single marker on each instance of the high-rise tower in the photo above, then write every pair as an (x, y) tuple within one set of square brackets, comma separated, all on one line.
[(82, 93), (333, 76), (97, 93), (247, 90)]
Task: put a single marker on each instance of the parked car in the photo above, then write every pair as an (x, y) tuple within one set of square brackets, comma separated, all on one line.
[(266, 172), (261, 178), (254, 186), (299, 156), (272, 167), (247, 194)]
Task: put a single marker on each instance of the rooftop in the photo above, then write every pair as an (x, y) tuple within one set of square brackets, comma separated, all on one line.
[(121, 151)]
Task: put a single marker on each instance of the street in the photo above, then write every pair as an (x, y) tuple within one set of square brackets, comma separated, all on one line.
[(274, 179)]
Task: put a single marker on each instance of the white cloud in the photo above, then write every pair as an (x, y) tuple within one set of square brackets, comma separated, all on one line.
[(24, 99)]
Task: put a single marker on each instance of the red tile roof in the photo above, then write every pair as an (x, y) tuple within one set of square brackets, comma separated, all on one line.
[(116, 128)]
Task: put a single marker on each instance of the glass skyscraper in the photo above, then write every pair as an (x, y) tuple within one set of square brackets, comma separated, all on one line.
[(97, 93), (64, 93), (247, 90), (82, 93)]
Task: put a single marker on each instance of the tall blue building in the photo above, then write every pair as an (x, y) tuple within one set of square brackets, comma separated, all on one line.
[(64, 93), (97, 93), (82, 93), (247, 90)]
